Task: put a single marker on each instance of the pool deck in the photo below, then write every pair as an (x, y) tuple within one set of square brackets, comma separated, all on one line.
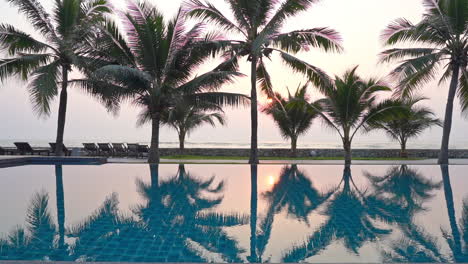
[(6, 161)]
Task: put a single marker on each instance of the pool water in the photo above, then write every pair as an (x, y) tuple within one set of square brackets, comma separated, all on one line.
[(234, 213)]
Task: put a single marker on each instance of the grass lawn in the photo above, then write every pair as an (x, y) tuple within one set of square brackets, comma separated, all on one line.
[(191, 157)]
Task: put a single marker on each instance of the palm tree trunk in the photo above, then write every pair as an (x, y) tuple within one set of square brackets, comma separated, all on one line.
[(153, 156), (253, 258), (60, 205), (403, 153), (181, 141), (253, 113), (294, 146), (347, 150), (451, 212), (443, 156), (62, 113)]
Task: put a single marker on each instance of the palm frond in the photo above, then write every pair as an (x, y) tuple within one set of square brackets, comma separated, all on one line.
[(17, 41), (412, 73), (463, 89), (22, 65), (36, 13), (209, 81), (131, 78), (315, 75), (264, 80), (43, 87), (397, 54), (287, 9), (301, 40), (208, 12), (221, 98)]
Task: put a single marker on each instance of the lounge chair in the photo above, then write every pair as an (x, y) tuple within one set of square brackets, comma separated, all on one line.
[(24, 148), (132, 150), (105, 149), (91, 149), (119, 149), (8, 151), (65, 150), (142, 150)]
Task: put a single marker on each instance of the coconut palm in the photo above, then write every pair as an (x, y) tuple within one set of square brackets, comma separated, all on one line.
[(46, 63), (410, 125), (443, 43), (350, 104), (259, 23), (293, 115), (154, 65), (185, 117)]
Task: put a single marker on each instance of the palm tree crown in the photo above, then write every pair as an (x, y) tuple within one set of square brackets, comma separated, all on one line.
[(350, 104), (442, 34), (415, 120), (259, 23), (293, 115), (156, 64), (67, 33), (185, 117)]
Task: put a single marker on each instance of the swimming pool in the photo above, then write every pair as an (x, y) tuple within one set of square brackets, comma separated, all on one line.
[(213, 213)]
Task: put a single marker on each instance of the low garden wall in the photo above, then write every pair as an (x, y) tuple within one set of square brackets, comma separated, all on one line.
[(358, 153)]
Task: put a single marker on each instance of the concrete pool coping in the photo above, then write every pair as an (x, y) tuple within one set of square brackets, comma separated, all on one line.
[(7, 161), (304, 162)]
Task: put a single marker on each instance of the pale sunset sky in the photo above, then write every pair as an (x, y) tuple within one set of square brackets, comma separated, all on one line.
[(360, 23)]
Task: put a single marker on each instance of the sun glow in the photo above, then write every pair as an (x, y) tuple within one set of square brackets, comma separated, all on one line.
[(271, 180)]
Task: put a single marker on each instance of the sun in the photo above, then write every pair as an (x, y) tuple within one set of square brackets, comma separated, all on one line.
[(271, 180)]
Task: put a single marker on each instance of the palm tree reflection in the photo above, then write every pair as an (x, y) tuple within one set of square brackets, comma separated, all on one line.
[(419, 246), (404, 186), (294, 192), (352, 219), (36, 241), (175, 224)]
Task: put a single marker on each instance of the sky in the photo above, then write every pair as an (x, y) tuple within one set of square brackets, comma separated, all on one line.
[(360, 23)]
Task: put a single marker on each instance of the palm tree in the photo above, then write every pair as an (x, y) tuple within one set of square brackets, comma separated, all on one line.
[(410, 125), (259, 22), (443, 39), (293, 115), (154, 65), (67, 32), (350, 105), (185, 117)]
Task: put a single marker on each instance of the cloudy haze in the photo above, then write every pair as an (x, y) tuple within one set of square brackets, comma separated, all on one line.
[(360, 23)]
